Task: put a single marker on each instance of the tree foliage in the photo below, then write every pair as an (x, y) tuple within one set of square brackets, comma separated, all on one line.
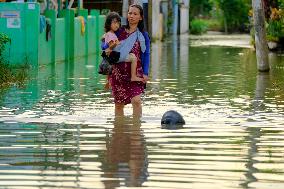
[(235, 14), (8, 74), (232, 14), (3, 40), (200, 7)]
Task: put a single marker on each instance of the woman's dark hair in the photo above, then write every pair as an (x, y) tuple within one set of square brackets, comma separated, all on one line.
[(109, 18), (141, 22)]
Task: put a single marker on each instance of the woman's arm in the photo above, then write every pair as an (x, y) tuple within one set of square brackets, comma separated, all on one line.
[(145, 57)]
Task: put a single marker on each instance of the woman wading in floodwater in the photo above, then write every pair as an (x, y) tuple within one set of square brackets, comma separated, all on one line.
[(124, 90)]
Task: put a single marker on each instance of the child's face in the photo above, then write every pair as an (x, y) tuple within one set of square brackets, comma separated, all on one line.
[(115, 24)]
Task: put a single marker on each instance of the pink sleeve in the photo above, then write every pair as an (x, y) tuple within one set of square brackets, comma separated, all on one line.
[(110, 36)]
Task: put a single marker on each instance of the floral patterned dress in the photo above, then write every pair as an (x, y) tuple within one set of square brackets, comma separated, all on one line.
[(123, 89)]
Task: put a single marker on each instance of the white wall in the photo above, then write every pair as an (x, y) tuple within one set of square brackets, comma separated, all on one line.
[(184, 16), (157, 20)]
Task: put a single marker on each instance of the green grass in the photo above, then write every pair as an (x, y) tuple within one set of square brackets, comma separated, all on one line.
[(201, 26), (213, 24), (13, 74)]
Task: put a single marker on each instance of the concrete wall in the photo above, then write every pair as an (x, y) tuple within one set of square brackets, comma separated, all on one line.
[(157, 20), (20, 21), (70, 36), (160, 16), (184, 17)]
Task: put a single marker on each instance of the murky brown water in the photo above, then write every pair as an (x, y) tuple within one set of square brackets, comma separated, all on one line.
[(60, 132)]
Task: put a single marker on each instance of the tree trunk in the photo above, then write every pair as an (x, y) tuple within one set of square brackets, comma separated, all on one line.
[(260, 36), (225, 25)]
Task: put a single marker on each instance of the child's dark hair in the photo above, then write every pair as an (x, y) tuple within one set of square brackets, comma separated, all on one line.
[(109, 18), (141, 22)]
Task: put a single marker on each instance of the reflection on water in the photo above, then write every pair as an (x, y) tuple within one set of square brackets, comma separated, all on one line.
[(126, 154), (59, 131)]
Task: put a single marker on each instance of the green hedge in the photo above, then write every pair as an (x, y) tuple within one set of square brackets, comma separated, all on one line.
[(198, 26), (8, 74), (3, 40)]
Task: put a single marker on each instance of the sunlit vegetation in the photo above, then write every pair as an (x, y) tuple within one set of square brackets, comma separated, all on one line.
[(225, 16), (13, 75), (274, 20), (10, 74), (198, 26), (237, 16)]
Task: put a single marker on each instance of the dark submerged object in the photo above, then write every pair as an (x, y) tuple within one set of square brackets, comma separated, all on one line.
[(172, 120)]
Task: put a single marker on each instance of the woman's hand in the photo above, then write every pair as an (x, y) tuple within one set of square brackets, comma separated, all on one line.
[(113, 43), (146, 78), (108, 51), (117, 42)]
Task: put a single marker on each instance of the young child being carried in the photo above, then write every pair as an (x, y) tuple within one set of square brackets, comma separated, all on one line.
[(112, 24)]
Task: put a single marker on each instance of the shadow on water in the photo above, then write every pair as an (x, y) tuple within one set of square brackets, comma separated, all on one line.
[(59, 130)]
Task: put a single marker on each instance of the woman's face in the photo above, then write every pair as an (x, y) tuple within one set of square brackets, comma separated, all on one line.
[(134, 15)]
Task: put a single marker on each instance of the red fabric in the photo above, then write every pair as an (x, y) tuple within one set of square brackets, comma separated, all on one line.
[(123, 90)]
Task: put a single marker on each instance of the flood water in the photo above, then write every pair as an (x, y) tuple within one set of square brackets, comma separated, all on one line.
[(59, 130)]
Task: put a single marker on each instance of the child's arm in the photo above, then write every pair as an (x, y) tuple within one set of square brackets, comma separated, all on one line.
[(105, 46)]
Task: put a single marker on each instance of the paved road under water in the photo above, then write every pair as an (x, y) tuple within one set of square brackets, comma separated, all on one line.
[(59, 131)]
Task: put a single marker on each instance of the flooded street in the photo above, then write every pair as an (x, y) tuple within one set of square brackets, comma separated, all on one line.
[(59, 130)]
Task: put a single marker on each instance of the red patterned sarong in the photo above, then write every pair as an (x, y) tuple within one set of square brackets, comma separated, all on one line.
[(123, 89)]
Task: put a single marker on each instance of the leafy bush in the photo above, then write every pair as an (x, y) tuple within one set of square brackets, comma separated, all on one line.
[(198, 27), (200, 8), (9, 74), (13, 74), (274, 25), (235, 14), (213, 24), (274, 30), (3, 40), (5, 74)]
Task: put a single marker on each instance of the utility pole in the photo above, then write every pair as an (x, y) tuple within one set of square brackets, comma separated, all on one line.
[(260, 36)]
